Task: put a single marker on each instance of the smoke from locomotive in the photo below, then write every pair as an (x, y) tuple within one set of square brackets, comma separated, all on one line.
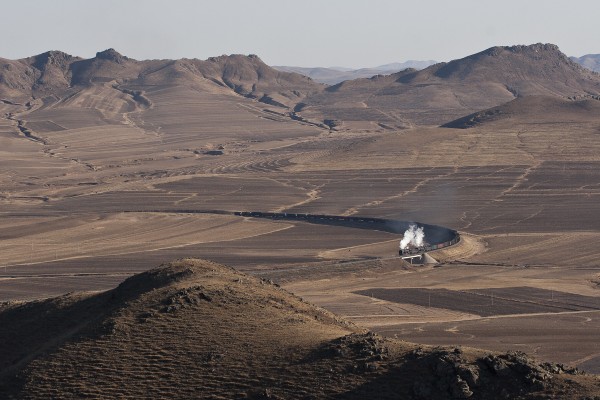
[(413, 236)]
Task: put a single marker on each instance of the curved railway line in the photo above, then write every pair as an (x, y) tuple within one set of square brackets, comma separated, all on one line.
[(438, 237)]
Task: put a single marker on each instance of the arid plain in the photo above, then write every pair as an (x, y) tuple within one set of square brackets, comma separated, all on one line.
[(98, 178)]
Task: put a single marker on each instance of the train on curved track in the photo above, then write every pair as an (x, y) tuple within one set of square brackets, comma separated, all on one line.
[(438, 236)]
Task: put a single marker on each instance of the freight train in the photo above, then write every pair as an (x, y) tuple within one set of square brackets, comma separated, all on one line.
[(368, 223), (447, 237)]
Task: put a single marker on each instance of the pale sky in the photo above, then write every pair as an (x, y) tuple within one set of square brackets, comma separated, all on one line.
[(350, 33)]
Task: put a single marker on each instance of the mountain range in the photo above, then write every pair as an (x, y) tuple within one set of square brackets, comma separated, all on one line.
[(590, 61), (334, 75), (56, 74), (432, 96)]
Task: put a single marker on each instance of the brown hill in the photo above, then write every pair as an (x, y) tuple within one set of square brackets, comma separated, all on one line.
[(54, 71), (248, 76), (446, 91), (108, 65), (195, 329), (535, 110), (46, 72), (59, 74), (176, 100), (524, 70)]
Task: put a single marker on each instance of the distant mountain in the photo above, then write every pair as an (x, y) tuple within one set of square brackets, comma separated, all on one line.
[(446, 91), (55, 72), (334, 75), (432, 96), (589, 61), (407, 64)]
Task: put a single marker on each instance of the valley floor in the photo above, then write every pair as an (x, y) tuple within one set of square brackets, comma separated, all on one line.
[(79, 214)]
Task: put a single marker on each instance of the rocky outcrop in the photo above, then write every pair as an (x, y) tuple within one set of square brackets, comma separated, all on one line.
[(504, 376)]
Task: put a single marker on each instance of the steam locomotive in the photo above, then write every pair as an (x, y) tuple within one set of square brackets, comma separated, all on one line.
[(412, 250)]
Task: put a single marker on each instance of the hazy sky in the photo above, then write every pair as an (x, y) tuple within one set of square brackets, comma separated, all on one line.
[(353, 33)]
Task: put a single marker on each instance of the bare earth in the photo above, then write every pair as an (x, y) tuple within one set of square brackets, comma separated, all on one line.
[(100, 193)]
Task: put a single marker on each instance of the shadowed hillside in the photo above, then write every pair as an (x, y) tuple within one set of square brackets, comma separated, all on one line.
[(195, 329), (535, 109)]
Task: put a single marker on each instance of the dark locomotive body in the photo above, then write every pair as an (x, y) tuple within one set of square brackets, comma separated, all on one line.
[(412, 250)]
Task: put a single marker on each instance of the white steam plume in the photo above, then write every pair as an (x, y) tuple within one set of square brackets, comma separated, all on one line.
[(413, 236), (419, 237)]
